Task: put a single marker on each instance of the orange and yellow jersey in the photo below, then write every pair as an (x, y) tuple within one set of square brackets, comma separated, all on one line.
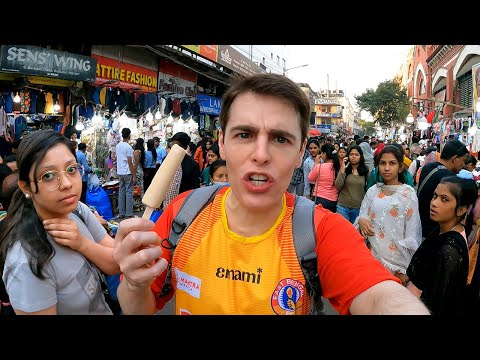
[(215, 271)]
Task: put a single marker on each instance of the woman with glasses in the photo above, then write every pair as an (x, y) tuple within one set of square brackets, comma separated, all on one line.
[(52, 247)]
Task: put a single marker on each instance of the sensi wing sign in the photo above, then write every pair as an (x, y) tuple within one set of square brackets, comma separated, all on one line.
[(34, 60)]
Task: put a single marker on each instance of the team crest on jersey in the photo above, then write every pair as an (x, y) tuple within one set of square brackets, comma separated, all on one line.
[(288, 296)]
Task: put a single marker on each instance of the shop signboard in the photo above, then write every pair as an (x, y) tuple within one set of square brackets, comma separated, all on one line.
[(235, 61), (327, 102), (207, 51), (324, 128), (177, 79), (41, 80), (476, 89), (179, 87), (209, 105), (124, 75), (34, 60)]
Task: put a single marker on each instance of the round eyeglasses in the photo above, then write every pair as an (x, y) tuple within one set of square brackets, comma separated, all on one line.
[(51, 179)]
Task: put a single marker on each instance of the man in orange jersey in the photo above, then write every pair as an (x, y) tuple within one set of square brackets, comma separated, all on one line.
[(238, 255)]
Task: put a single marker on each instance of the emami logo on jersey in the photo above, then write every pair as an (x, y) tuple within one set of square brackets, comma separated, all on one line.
[(230, 274)]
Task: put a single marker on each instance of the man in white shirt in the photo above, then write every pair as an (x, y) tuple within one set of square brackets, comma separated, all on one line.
[(161, 152), (124, 153)]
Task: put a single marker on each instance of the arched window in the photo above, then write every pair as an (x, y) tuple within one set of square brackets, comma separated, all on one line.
[(423, 87)]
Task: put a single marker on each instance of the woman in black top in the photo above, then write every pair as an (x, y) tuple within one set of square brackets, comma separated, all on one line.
[(439, 268)]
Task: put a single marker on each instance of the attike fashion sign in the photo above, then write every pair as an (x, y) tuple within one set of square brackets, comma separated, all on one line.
[(33, 60)]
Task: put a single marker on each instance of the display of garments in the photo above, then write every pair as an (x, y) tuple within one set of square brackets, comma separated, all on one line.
[(176, 107), (102, 95), (162, 103), (41, 102), (49, 103), (169, 106), (61, 103), (24, 101), (33, 101), (96, 95)]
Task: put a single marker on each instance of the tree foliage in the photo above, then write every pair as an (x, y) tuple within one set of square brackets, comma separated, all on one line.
[(368, 127), (388, 104)]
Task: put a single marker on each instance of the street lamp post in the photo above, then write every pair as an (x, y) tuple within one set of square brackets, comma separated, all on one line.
[(295, 67), (409, 118)]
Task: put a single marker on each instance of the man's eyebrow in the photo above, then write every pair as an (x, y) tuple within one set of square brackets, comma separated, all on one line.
[(254, 130)]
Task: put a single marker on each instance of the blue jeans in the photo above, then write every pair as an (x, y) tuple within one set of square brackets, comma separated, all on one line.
[(125, 195), (348, 213)]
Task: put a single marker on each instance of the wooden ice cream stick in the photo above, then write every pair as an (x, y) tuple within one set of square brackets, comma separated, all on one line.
[(158, 188)]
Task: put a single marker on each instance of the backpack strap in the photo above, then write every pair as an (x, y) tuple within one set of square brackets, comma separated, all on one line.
[(193, 204), (304, 239), (429, 175)]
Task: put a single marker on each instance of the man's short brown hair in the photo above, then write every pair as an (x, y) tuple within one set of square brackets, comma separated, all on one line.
[(274, 85)]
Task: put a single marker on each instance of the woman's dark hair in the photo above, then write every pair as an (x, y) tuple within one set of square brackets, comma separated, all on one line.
[(465, 193), (215, 149), (312, 141), (151, 148), (22, 222), (215, 165), (193, 147), (395, 150), (361, 168), (139, 145), (329, 150), (470, 159), (4, 172)]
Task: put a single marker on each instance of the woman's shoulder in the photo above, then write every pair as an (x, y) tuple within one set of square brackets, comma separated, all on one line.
[(453, 238), (16, 255)]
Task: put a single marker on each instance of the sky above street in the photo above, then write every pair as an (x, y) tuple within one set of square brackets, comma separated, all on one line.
[(351, 68)]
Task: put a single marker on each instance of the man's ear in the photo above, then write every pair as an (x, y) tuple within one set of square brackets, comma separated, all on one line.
[(298, 163), (221, 144)]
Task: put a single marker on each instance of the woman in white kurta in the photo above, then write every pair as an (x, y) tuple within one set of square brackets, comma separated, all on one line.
[(389, 216)]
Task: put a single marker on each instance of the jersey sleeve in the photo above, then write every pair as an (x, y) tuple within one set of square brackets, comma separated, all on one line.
[(162, 228), (346, 266)]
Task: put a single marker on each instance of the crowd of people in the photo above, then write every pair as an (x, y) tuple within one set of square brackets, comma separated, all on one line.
[(395, 198), (393, 224)]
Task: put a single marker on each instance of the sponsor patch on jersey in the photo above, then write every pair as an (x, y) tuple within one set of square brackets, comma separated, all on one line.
[(288, 296), (188, 283)]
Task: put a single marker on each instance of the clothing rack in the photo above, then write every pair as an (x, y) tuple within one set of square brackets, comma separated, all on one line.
[(27, 114)]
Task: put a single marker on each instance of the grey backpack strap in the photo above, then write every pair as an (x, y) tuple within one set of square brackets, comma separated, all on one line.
[(304, 239), (193, 204), (429, 175)]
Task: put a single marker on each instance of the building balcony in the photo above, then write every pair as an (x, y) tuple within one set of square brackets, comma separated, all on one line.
[(432, 49), (323, 114)]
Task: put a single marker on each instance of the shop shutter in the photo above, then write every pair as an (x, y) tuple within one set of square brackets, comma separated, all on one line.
[(466, 89)]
